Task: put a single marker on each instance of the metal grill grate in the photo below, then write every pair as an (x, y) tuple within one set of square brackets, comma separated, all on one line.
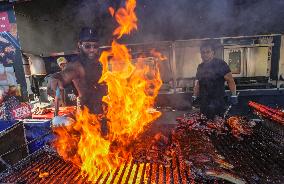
[(257, 159), (60, 171)]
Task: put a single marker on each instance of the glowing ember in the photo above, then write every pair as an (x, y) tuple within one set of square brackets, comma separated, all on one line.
[(43, 174), (132, 89)]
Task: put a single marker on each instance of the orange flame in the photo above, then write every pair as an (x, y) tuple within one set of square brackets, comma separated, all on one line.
[(134, 88), (158, 55), (133, 85), (111, 11), (126, 18)]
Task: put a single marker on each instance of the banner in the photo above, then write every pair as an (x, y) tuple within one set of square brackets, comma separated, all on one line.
[(8, 36), (10, 51), (4, 22)]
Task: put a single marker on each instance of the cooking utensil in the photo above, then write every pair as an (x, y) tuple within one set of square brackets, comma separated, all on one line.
[(229, 108), (56, 101)]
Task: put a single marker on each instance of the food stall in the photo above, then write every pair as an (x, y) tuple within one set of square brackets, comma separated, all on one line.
[(155, 135)]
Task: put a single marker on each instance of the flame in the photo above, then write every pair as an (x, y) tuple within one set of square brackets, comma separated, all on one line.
[(133, 85), (158, 55), (126, 18), (134, 88), (111, 11)]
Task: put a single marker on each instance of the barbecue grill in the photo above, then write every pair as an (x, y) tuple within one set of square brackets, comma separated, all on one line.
[(45, 166), (256, 159)]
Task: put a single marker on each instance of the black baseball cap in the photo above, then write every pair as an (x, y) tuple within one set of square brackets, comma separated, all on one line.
[(88, 34)]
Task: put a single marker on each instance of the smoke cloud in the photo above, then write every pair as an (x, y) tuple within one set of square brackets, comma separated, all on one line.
[(52, 25), (185, 19)]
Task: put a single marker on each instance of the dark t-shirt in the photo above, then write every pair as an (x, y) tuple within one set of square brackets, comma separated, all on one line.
[(212, 85)]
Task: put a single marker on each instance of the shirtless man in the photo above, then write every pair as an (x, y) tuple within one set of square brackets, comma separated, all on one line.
[(85, 72)]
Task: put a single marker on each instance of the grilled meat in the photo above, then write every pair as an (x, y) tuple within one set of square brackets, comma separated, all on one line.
[(239, 126)]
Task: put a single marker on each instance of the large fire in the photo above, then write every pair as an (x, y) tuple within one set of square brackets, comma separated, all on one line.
[(132, 89)]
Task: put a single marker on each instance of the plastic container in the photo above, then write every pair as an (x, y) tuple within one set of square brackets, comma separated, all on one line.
[(36, 129), (6, 124)]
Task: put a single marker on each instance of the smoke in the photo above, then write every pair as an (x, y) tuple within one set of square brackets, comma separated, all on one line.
[(261, 17), (52, 25), (91, 13), (184, 19)]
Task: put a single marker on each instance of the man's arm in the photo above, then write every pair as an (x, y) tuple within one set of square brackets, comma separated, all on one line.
[(231, 83), (63, 78), (196, 88)]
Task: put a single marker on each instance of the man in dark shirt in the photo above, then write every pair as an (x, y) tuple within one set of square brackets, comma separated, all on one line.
[(209, 85)]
